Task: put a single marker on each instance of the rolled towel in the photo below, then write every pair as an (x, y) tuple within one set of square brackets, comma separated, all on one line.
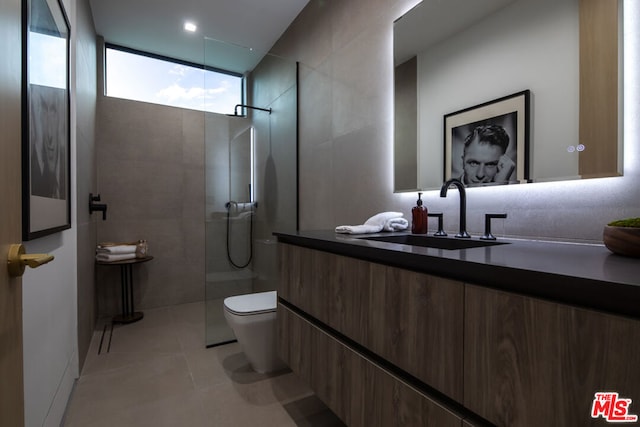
[(396, 224), (382, 218), (375, 224), (358, 229), (116, 249), (114, 257)]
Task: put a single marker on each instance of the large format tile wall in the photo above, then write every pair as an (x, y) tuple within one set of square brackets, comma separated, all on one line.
[(151, 176), (345, 108), (346, 131)]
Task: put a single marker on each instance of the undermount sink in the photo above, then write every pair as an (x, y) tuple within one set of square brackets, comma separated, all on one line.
[(435, 242)]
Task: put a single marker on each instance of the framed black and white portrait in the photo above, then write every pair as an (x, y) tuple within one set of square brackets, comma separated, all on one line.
[(488, 144), (46, 203)]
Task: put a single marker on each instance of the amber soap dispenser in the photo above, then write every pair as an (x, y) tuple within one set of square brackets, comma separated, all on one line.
[(419, 217)]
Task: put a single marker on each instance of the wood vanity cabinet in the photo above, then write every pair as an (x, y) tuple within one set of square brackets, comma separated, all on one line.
[(412, 320), (530, 362), (361, 333), (357, 390)]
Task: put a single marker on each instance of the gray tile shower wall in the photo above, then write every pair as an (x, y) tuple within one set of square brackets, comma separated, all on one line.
[(345, 108), (150, 161)]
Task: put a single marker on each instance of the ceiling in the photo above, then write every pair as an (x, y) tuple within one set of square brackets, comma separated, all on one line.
[(230, 27)]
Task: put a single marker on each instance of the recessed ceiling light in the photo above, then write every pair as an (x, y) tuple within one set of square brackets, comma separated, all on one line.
[(190, 26)]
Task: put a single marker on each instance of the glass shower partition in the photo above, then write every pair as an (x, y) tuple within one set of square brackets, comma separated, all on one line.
[(251, 181)]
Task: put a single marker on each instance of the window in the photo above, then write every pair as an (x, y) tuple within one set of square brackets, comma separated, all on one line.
[(143, 77)]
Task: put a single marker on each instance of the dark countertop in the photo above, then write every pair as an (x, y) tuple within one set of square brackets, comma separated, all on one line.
[(578, 274)]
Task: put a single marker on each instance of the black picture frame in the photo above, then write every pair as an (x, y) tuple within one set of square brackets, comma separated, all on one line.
[(46, 130), (504, 119)]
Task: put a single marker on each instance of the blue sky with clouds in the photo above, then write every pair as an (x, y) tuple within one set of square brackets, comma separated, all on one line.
[(142, 78)]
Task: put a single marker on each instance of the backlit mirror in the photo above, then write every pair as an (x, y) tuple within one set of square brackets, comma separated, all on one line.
[(456, 60)]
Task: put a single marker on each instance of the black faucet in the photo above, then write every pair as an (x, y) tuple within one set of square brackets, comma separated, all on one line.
[(463, 204), (100, 207)]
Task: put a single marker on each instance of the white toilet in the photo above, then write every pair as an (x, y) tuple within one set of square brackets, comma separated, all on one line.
[(252, 317)]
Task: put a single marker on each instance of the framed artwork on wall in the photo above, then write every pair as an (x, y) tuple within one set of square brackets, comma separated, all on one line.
[(488, 144), (46, 202)]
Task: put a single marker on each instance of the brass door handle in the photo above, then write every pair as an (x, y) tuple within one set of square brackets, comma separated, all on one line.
[(18, 260)]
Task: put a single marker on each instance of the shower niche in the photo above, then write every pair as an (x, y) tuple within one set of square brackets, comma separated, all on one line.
[(250, 184)]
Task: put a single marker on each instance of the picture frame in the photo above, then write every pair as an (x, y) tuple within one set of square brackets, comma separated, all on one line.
[(46, 189), (488, 144)]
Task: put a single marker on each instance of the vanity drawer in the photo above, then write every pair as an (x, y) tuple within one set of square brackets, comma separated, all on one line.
[(412, 320), (356, 389), (530, 362)]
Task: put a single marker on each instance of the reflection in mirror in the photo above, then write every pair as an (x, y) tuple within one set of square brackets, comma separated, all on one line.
[(451, 56), (241, 167)]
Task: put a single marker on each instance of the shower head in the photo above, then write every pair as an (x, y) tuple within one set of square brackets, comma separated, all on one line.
[(235, 110)]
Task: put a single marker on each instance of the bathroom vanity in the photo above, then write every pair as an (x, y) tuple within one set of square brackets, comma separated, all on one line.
[(519, 334)]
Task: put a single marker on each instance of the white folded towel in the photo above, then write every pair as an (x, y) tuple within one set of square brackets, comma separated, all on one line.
[(396, 224), (375, 224), (114, 257), (357, 229), (117, 249), (381, 218)]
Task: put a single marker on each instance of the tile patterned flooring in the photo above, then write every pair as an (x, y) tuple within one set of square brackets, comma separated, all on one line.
[(158, 372)]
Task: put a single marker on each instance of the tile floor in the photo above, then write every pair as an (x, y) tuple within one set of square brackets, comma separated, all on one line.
[(158, 372)]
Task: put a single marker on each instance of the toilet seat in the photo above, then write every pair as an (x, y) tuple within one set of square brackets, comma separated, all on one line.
[(251, 304)]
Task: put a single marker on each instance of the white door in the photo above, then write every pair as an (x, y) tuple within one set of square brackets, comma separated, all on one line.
[(11, 382)]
